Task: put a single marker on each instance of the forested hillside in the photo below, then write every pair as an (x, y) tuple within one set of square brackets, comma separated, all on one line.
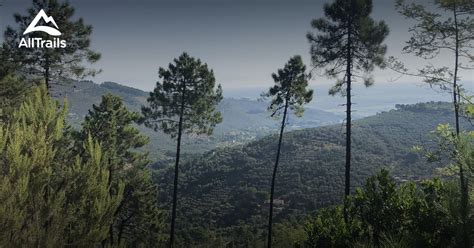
[(229, 186), (106, 165), (243, 119)]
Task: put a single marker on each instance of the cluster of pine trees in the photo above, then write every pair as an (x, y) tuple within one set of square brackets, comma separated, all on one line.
[(92, 187), (77, 188), (60, 186)]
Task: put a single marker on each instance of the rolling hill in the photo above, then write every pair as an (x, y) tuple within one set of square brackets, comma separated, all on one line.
[(244, 119), (229, 186)]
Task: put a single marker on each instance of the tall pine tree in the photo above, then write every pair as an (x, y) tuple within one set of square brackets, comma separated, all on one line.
[(435, 33), (184, 102), (289, 93), (137, 220), (348, 42)]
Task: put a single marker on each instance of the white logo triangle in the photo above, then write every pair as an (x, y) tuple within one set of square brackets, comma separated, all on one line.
[(50, 30)]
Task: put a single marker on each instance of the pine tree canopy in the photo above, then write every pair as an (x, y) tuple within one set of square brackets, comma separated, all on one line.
[(329, 43), (188, 84), (435, 33), (291, 84), (112, 124)]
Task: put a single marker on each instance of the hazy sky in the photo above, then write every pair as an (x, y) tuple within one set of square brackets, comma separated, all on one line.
[(243, 41)]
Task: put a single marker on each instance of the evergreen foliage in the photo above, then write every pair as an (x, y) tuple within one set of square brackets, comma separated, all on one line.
[(137, 220), (13, 90), (384, 214), (184, 102), (92, 187), (348, 42), (51, 196), (288, 93)]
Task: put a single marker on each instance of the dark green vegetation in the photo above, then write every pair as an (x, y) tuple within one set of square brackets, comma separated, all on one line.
[(384, 214), (57, 190), (432, 213), (13, 89), (136, 220), (90, 185), (227, 188)]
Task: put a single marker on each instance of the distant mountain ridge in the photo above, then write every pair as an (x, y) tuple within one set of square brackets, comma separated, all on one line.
[(244, 120), (227, 185)]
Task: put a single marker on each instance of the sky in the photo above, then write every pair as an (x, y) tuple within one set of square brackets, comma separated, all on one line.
[(243, 41)]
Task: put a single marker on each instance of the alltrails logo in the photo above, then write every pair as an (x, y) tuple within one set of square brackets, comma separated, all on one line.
[(40, 42)]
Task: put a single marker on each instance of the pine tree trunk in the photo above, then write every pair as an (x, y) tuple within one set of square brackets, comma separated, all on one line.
[(46, 78), (176, 168), (455, 80), (456, 98), (270, 217), (347, 188), (47, 75)]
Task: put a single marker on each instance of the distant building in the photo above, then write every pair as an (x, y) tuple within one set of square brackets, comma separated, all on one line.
[(276, 202)]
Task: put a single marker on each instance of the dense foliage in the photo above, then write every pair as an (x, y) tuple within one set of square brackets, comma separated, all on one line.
[(92, 187), (137, 220), (227, 188), (13, 91), (385, 214), (50, 195), (61, 187)]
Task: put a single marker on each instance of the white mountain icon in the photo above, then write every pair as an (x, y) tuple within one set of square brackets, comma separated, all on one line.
[(50, 30)]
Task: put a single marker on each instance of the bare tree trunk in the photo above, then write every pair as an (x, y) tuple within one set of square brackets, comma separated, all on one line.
[(47, 75), (455, 80), (347, 188), (270, 217), (176, 168)]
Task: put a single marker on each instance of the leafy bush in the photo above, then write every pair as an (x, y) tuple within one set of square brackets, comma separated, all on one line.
[(384, 214)]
